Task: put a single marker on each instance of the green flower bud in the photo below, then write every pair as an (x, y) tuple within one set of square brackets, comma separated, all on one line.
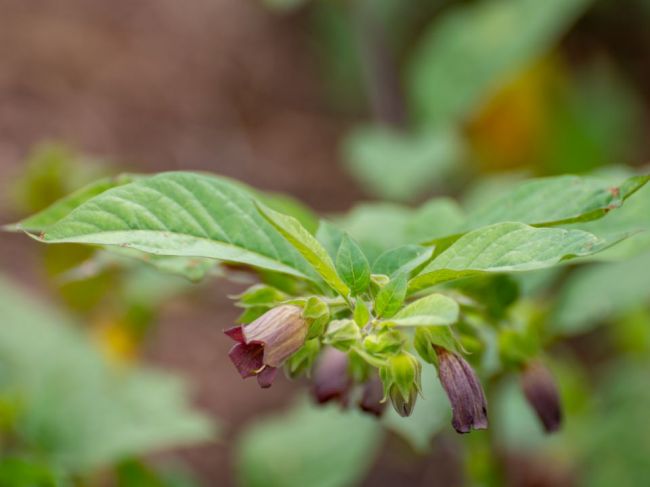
[(401, 380)]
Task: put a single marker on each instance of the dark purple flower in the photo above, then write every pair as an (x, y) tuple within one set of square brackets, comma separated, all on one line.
[(332, 382), (464, 391), (267, 342), (542, 394), (372, 396)]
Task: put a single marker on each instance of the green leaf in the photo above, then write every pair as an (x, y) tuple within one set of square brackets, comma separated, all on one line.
[(401, 166), (390, 298), (493, 43), (63, 207), (428, 336), (260, 295), (308, 247), (329, 237), (352, 265), (557, 200), (79, 412), (308, 446), (403, 259), (377, 227), (361, 314), (507, 247), (432, 310), (181, 214)]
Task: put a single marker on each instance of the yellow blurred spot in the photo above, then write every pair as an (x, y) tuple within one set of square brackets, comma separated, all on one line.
[(116, 341), (507, 132)]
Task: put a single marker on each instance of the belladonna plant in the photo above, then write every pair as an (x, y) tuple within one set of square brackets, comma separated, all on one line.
[(362, 312)]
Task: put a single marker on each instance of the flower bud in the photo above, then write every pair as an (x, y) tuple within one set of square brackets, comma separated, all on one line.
[(332, 382), (401, 380), (267, 342), (542, 394), (342, 334), (371, 401), (464, 391)]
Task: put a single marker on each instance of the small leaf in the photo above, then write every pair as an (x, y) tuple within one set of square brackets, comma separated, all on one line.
[(432, 310), (330, 237), (361, 314), (260, 295), (390, 297), (308, 246), (403, 259), (352, 265), (507, 247), (428, 336)]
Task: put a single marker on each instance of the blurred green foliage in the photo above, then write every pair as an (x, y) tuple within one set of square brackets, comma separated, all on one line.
[(66, 408)]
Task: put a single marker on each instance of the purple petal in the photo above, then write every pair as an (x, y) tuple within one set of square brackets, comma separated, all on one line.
[(464, 391), (542, 394), (282, 330), (236, 333), (247, 358), (266, 377), (371, 398)]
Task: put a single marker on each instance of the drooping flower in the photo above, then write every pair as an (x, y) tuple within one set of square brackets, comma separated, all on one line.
[(263, 345), (542, 394), (332, 381), (464, 391), (371, 401)]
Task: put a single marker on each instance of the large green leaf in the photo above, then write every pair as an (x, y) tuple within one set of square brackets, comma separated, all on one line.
[(75, 409), (432, 310), (308, 246), (556, 201), (471, 50), (507, 247), (181, 214), (309, 446), (60, 209)]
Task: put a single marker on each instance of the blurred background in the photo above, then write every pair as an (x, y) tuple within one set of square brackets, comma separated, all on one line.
[(361, 106)]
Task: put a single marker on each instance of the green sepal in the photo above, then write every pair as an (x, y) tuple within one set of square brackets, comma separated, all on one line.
[(317, 314), (342, 334)]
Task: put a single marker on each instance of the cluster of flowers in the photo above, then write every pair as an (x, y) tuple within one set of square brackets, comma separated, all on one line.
[(269, 341)]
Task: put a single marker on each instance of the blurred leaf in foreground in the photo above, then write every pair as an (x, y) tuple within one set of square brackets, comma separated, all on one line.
[(75, 410), (309, 446), (402, 166)]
